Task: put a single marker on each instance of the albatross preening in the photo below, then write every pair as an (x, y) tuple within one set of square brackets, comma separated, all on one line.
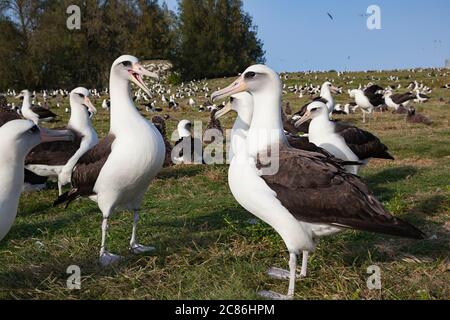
[(18, 138), (344, 141), (57, 159), (117, 172), (302, 195)]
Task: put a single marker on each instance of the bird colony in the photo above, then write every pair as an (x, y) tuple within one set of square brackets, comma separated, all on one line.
[(302, 179)]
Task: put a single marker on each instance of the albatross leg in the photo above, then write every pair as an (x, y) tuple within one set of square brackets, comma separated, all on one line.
[(106, 258), (304, 264), (135, 247), (292, 278)]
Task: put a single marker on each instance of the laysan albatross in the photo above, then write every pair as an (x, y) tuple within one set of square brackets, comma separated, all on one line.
[(344, 141), (302, 195), (34, 113), (18, 138), (117, 172), (57, 159)]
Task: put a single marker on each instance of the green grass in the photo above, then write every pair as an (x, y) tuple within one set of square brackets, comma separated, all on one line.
[(206, 247)]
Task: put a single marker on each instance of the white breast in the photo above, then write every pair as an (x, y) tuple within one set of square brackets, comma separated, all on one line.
[(137, 157)]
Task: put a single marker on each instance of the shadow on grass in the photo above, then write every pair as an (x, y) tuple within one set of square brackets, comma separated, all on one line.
[(363, 247)]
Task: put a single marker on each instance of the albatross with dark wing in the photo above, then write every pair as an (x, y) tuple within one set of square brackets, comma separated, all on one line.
[(34, 113), (344, 141), (302, 195), (368, 99), (18, 138), (117, 172), (395, 101), (32, 182), (57, 159)]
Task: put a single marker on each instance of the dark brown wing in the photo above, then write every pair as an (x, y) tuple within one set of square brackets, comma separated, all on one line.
[(55, 153), (332, 197), (302, 143), (42, 112), (363, 143), (33, 179), (87, 170), (7, 116), (402, 98), (375, 98)]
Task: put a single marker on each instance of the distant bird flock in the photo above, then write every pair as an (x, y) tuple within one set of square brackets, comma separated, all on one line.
[(314, 191)]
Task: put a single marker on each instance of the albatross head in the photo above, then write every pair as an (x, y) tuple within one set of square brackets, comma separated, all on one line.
[(128, 68), (327, 85), (242, 104), (80, 97), (313, 111), (24, 135), (24, 94), (256, 78)]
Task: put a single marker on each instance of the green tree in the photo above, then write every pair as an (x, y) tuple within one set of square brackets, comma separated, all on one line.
[(216, 38)]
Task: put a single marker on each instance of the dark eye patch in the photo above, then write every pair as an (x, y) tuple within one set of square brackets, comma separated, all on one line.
[(250, 75), (231, 99), (81, 95), (127, 64), (34, 129), (314, 109)]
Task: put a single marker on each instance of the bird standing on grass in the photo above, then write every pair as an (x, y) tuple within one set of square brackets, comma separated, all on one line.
[(117, 172), (302, 195)]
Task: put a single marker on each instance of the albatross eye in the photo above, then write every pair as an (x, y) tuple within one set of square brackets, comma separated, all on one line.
[(127, 64), (250, 75), (81, 95), (314, 109), (34, 129)]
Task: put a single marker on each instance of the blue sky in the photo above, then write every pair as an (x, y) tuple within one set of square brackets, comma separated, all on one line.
[(299, 35)]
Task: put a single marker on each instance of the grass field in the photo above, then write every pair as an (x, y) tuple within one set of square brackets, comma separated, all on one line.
[(208, 249)]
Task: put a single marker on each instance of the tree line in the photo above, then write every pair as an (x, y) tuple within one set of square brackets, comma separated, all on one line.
[(205, 38)]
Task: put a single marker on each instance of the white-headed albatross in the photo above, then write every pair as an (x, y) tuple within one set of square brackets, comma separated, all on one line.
[(367, 99), (344, 141), (117, 172), (18, 138), (34, 113), (57, 159), (302, 195)]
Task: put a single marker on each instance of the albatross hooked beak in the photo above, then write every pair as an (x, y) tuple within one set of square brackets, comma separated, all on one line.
[(136, 73), (236, 87), (306, 117), (335, 90), (55, 135), (219, 114), (90, 107)]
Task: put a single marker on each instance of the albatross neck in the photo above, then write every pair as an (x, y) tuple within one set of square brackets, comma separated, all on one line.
[(26, 104), (123, 109), (79, 119), (267, 122)]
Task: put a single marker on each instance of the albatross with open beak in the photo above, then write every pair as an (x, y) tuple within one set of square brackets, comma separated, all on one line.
[(302, 195), (18, 138), (117, 172)]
